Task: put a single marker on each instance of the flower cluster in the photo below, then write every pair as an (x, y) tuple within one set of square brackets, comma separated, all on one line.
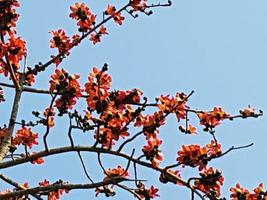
[(152, 152), (212, 118), (26, 137), (175, 105), (138, 5), (8, 16), (194, 155), (97, 87), (147, 193), (54, 195), (210, 182), (49, 113), (14, 50), (115, 120), (38, 161), (150, 123), (82, 13), (240, 193), (117, 16), (69, 88), (248, 112), (116, 172)]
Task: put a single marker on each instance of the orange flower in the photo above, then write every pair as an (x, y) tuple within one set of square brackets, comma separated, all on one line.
[(60, 40), (145, 193), (152, 152), (8, 16), (248, 112), (55, 195), (82, 13), (195, 155), (26, 137), (111, 10), (38, 161), (239, 193), (139, 5), (210, 182), (116, 172), (190, 130), (97, 88), (213, 118), (68, 86), (16, 51)]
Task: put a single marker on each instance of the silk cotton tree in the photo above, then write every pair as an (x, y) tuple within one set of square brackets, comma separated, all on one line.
[(112, 119)]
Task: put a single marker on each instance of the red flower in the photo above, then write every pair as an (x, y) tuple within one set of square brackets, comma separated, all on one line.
[(16, 51), (152, 152), (117, 16), (68, 86), (144, 193), (139, 5), (97, 88), (38, 161), (60, 40), (195, 155), (210, 182), (82, 13), (54, 195), (213, 118), (117, 172), (26, 137), (239, 193)]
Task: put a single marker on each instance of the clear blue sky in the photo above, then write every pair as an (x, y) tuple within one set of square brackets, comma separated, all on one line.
[(217, 48)]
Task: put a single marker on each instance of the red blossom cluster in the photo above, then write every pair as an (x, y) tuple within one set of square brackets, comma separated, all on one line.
[(240, 193), (175, 105), (82, 13), (54, 195), (138, 5), (68, 87), (12, 47), (196, 156), (86, 21), (210, 182), (117, 16), (38, 161), (212, 118), (8, 16), (110, 113), (147, 193), (49, 113), (63, 43), (26, 137), (119, 171), (97, 88), (152, 152)]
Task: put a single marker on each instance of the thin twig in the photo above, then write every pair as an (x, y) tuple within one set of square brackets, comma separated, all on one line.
[(84, 167)]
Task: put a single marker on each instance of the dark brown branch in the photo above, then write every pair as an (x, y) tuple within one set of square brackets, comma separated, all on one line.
[(15, 184), (55, 187), (47, 122)]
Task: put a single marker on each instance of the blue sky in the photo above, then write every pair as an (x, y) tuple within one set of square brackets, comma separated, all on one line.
[(217, 48)]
